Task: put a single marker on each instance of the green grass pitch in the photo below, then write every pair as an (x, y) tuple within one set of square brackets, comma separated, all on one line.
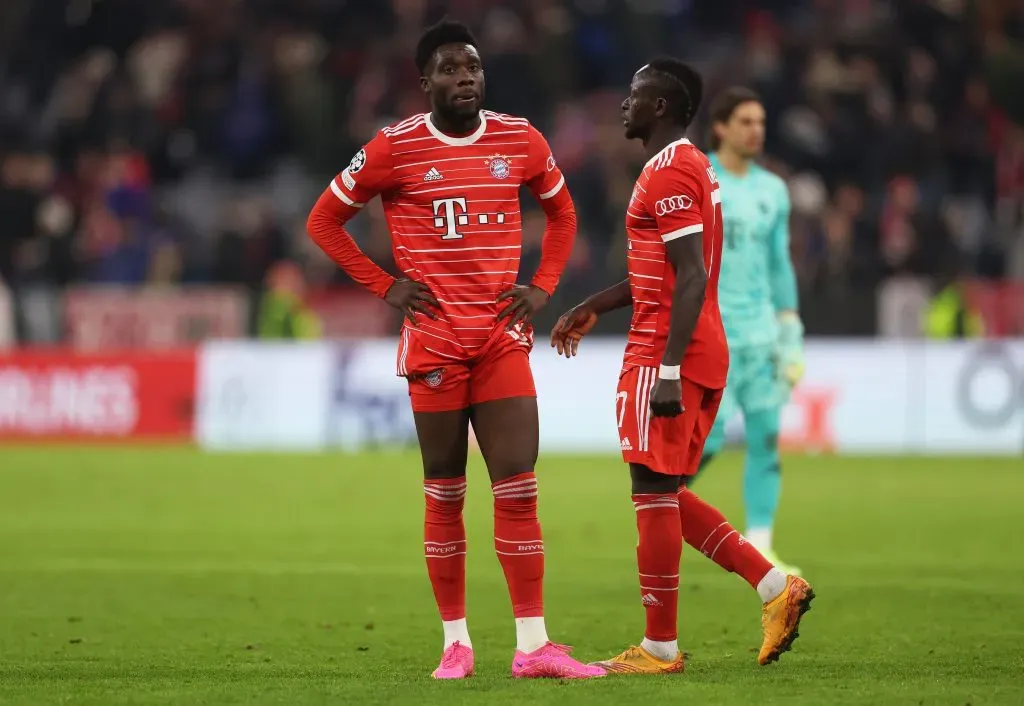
[(168, 576)]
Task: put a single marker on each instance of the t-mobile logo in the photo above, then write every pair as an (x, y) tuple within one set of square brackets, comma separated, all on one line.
[(450, 214), (454, 215)]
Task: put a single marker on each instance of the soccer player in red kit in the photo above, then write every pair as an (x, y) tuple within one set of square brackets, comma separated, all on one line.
[(449, 181), (674, 371)]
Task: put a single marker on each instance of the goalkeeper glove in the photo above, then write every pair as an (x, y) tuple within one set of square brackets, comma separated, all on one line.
[(789, 349)]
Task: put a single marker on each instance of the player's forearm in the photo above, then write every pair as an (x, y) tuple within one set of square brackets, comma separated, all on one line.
[(559, 237), (687, 302), (618, 296), (686, 255), (782, 277), (326, 227), (783, 284)]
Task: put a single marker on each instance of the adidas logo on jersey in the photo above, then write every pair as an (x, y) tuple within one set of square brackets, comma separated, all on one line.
[(649, 599), (625, 445), (433, 175)]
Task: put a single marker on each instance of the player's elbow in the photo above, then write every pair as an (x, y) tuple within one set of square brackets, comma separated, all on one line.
[(315, 225), (562, 215)]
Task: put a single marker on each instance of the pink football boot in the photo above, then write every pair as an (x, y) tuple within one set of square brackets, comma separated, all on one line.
[(456, 662), (552, 661)]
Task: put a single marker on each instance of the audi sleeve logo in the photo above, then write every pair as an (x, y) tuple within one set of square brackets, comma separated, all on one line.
[(671, 204)]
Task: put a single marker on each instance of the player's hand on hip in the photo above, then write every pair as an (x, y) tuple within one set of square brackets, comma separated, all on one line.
[(667, 398), (524, 302), (411, 297), (571, 327)]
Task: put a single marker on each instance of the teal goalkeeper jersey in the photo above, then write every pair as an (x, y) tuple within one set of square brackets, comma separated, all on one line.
[(757, 278)]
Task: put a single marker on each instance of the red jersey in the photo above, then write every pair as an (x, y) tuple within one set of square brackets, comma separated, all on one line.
[(452, 206), (676, 196)]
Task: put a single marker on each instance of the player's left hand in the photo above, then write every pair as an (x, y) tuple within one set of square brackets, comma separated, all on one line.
[(525, 301), (571, 327), (667, 398), (789, 352)]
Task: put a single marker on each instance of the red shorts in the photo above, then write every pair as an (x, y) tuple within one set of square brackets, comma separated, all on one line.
[(500, 370), (669, 445)]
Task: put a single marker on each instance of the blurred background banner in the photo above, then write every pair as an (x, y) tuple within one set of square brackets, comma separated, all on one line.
[(110, 317), (58, 395), (158, 161), (857, 397)]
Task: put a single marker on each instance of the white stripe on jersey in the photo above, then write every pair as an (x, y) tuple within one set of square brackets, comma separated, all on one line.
[(341, 195), (644, 385), (462, 186), (478, 247), (451, 159), (400, 126), (406, 127), (660, 160), (441, 147), (557, 187), (473, 274), (686, 230)]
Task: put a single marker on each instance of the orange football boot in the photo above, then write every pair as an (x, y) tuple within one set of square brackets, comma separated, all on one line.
[(780, 619), (637, 660)]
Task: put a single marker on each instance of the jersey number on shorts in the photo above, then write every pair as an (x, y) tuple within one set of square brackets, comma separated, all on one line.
[(620, 401), (451, 214)]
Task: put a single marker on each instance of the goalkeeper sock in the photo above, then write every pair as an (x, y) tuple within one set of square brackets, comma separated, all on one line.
[(520, 549), (657, 556), (762, 481), (444, 543), (705, 529)]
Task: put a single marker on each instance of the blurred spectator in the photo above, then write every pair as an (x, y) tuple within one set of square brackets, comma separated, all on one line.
[(183, 140), (283, 312)]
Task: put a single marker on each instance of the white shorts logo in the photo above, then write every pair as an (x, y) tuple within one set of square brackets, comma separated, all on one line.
[(665, 206)]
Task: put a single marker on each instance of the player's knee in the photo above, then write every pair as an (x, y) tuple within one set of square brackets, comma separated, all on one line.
[(440, 469), (645, 481), (506, 468), (763, 434)]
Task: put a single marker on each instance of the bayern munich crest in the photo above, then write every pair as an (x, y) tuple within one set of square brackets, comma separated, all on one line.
[(433, 378), (500, 166)]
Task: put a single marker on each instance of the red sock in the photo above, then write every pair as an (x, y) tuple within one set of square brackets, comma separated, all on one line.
[(518, 542), (444, 541), (657, 557), (706, 530)]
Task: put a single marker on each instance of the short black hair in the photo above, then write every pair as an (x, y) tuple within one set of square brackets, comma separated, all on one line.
[(682, 85), (433, 38), (725, 104)]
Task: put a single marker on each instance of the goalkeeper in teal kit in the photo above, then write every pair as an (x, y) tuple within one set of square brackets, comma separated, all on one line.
[(758, 298)]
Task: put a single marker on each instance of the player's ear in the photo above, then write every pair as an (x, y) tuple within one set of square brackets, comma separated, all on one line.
[(660, 107), (424, 84)]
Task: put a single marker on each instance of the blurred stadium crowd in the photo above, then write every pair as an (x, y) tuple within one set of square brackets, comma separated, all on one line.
[(184, 141)]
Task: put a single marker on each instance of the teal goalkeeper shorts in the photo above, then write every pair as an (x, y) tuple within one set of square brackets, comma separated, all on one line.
[(753, 384)]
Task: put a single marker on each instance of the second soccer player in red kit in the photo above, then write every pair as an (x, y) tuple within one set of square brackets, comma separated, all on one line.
[(449, 181), (674, 371)]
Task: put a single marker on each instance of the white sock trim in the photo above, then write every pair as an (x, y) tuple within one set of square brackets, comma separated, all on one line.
[(772, 585), (663, 650), (531, 634), (456, 631)]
